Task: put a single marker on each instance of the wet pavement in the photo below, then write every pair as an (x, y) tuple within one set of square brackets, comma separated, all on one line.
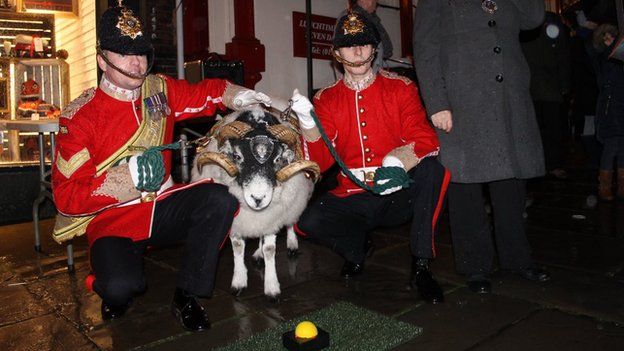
[(42, 307)]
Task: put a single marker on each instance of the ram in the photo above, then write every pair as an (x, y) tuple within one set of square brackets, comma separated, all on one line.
[(259, 158)]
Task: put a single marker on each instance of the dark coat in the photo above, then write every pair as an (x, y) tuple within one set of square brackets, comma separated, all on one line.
[(470, 62), (549, 61), (610, 105)]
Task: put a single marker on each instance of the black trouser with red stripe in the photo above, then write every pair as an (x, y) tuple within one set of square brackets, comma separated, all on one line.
[(201, 215), (343, 223)]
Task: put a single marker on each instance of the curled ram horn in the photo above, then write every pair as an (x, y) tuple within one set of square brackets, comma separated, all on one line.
[(233, 130), (218, 159), (288, 136), (310, 167), (284, 134)]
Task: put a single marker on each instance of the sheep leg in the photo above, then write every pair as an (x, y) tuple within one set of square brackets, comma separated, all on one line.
[(239, 279), (257, 255), (291, 242), (271, 284)]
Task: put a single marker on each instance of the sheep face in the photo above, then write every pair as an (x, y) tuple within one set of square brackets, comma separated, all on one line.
[(258, 157)]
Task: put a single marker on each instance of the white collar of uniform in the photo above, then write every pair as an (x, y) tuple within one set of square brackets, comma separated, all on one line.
[(361, 84), (117, 92)]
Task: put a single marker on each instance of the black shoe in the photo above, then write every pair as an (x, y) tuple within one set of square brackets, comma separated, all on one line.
[(480, 286), (189, 311), (110, 312), (534, 274), (428, 288), (350, 269)]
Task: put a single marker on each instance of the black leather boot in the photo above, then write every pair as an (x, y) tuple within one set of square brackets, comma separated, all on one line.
[(110, 312), (421, 279), (189, 311)]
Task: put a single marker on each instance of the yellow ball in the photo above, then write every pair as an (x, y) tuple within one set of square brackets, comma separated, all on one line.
[(306, 331)]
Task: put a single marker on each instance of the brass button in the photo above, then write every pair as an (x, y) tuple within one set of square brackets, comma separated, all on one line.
[(362, 110), (370, 176), (363, 124), (367, 150), (364, 137), (359, 97), (149, 197), (368, 159)]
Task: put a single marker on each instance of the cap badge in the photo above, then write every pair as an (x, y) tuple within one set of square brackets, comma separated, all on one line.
[(353, 25), (128, 24)]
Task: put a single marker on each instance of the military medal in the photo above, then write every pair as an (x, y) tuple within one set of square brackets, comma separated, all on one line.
[(489, 6), (157, 106)]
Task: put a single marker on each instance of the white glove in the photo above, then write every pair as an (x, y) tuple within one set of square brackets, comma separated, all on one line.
[(390, 161), (302, 107), (250, 97)]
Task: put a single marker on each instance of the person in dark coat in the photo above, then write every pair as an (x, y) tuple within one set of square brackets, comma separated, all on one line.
[(475, 84), (609, 110), (546, 49), (583, 89)]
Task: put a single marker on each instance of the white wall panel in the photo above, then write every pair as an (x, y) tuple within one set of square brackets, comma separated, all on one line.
[(273, 22), (77, 36)]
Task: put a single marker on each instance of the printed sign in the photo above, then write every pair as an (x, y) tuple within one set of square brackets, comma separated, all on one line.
[(322, 36)]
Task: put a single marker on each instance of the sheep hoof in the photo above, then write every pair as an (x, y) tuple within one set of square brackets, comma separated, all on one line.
[(258, 262), (237, 291), (292, 253), (273, 299)]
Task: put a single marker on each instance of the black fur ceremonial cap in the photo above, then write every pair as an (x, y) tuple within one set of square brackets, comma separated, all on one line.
[(121, 32), (355, 29)]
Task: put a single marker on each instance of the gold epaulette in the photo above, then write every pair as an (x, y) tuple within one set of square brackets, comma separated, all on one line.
[(392, 75), (161, 76), (318, 93), (70, 110)]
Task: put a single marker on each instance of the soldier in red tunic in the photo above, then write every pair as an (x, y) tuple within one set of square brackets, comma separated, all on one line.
[(373, 120), (101, 178)]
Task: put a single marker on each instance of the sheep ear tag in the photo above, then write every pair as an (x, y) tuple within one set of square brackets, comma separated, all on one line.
[(261, 148)]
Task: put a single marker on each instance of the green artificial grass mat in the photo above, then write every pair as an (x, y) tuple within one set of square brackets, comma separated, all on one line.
[(350, 328)]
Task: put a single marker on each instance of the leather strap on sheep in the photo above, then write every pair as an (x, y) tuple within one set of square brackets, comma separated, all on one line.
[(283, 133)]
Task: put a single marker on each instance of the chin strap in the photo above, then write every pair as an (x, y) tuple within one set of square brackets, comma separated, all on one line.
[(354, 64), (127, 74)]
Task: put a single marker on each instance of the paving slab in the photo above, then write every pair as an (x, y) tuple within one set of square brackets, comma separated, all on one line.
[(46, 332), (463, 320), (221, 334), (554, 330), (17, 304)]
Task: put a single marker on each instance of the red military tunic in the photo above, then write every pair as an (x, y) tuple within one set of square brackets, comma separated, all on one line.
[(365, 125), (92, 131)]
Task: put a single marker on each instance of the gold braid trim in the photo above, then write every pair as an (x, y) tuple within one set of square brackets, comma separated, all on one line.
[(230, 94), (68, 167), (118, 184), (407, 156)]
